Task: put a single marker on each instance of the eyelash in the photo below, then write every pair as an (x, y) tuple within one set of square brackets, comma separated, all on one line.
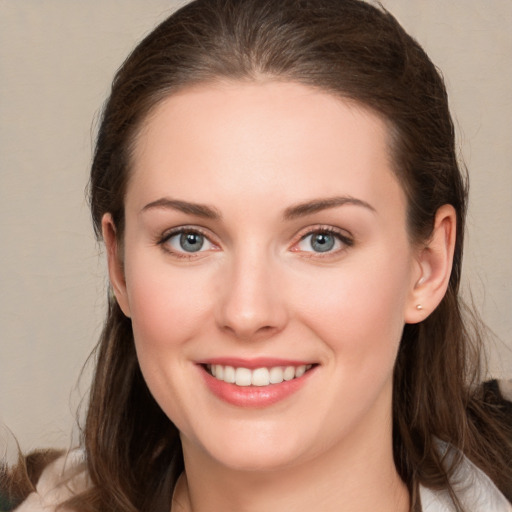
[(346, 240), (162, 241)]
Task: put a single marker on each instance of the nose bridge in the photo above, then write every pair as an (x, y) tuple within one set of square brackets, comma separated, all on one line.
[(251, 304)]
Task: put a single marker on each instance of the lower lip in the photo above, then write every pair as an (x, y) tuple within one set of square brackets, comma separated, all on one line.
[(254, 396)]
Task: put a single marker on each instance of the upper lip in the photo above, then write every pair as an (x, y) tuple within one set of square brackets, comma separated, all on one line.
[(251, 364)]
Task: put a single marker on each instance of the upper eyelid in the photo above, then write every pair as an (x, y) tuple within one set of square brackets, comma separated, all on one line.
[(342, 233), (345, 238), (169, 233)]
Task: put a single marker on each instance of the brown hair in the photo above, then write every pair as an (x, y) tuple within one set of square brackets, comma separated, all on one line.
[(356, 51)]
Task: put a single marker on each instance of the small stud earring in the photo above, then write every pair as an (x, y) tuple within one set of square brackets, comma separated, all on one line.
[(419, 307)]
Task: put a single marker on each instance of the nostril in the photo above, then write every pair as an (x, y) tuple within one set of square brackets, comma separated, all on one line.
[(249, 333)]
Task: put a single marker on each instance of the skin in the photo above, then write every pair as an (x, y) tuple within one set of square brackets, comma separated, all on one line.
[(251, 152)]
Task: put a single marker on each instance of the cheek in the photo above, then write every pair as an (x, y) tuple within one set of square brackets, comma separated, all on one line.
[(168, 309), (167, 305), (359, 309)]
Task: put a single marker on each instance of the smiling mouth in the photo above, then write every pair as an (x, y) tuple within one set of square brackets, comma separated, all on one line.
[(260, 377)]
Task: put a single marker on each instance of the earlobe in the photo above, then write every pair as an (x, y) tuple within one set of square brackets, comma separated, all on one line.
[(115, 263), (434, 263)]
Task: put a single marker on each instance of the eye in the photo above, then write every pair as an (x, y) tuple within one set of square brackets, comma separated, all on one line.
[(323, 241), (185, 242)]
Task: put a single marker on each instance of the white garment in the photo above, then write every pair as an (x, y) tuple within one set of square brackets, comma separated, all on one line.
[(475, 490), (58, 482)]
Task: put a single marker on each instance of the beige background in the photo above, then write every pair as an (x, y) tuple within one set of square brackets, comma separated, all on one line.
[(57, 58)]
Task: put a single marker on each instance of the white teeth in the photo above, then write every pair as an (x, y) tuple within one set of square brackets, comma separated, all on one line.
[(243, 377), (259, 376), (300, 371), (276, 375), (229, 375), (289, 373)]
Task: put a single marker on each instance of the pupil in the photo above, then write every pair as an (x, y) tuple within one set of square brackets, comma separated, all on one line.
[(322, 242), (191, 242)]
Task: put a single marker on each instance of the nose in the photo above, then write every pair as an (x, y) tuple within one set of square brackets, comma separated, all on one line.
[(251, 304)]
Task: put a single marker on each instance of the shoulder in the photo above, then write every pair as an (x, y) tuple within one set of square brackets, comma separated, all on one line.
[(474, 489), (62, 479)]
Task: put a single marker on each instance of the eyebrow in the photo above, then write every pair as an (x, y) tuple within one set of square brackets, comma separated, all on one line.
[(200, 210), (317, 205), (292, 212)]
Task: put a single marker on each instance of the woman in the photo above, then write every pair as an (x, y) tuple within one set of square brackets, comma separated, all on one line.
[(277, 188)]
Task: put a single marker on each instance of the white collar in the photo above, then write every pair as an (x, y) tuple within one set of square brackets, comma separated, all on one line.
[(475, 490)]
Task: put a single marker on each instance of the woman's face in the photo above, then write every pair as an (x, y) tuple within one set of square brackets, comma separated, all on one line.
[(266, 243)]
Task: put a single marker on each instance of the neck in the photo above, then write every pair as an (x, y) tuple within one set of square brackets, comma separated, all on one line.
[(350, 477)]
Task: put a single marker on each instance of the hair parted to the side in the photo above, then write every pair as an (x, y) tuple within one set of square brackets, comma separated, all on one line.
[(355, 51)]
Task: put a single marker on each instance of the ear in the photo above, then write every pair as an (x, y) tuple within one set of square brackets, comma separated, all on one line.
[(115, 263), (433, 269)]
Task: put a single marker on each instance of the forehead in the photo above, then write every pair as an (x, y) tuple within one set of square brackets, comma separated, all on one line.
[(259, 138)]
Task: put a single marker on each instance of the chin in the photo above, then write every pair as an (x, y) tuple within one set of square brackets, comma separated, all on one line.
[(255, 461), (257, 452)]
